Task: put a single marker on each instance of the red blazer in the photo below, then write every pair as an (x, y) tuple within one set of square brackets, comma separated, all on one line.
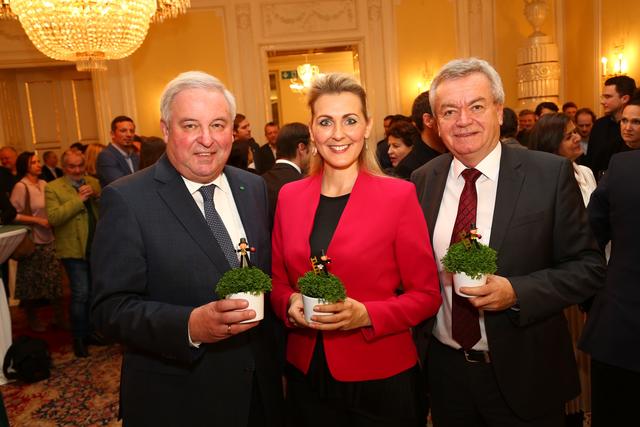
[(381, 244)]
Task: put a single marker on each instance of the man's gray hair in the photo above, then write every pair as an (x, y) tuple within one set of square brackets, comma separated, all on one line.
[(70, 153), (193, 80), (459, 68)]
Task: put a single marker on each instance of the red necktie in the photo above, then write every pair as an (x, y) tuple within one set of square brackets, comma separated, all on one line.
[(465, 327)]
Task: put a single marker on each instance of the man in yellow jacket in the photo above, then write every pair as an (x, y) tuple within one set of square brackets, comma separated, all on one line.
[(72, 208)]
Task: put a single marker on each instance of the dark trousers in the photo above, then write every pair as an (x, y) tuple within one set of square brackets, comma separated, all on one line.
[(466, 394), (79, 272), (615, 393), (391, 402)]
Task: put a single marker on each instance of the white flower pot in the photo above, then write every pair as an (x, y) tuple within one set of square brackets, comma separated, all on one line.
[(309, 303), (256, 303), (462, 280)]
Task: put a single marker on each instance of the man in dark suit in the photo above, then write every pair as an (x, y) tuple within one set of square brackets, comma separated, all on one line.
[(612, 332), (293, 158), (605, 139), (163, 241), (502, 357), (265, 156), (119, 158), (50, 169)]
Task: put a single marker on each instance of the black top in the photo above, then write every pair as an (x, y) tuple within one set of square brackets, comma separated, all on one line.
[(605, 140), (325, 222), (324, 225)]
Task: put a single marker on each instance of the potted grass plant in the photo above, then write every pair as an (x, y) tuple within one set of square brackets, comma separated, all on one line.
[(320, 287), (246, 282), (470, 261)]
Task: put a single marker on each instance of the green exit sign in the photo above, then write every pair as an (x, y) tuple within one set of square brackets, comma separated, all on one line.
[(288, 75)]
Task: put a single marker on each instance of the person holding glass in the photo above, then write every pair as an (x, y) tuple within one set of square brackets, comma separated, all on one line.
[(358, 365)]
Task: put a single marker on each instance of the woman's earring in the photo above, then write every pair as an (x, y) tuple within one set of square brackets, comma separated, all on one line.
[(314, 151)]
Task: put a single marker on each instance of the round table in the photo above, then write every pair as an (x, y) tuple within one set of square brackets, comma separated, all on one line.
[(10, 237)]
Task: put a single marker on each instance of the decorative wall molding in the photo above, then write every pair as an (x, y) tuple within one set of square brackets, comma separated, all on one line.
[(289, 25), (375, 10), (300, 17), (475, 28), (243, 16)]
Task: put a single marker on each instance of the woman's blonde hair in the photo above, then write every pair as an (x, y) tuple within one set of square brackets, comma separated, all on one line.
[(335, 84), (91, 156)]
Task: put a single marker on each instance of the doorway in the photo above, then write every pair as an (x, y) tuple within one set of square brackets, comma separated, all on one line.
[(288, 103)]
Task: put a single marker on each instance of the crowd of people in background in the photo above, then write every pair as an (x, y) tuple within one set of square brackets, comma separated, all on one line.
[(62, 207)]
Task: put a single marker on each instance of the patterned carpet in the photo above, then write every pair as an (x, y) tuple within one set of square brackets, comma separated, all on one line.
[(80, 392)]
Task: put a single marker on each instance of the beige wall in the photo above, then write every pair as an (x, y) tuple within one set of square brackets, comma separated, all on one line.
[(194, 41), (621, 33), (426, 37), (579, 53)]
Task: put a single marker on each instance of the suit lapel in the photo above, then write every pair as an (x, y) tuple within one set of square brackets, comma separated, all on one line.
[(433, 191), (178, 200), (510, 182), (242, 195), (124, 166)]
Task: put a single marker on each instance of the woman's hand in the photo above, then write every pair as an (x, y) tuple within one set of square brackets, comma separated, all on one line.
[(296, 311), (347, 315)]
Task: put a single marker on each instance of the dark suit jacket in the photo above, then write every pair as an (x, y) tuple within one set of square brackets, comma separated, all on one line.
[(112, 165), (548, 253), (154, 260), (264, 159), (612, 333), (279, 175), (48, 176), (7, 181), (605, 140)]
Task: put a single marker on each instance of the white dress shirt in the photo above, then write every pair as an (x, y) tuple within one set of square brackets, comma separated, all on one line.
[(290, 163), (225, 206), (127, 157), (486, 187)]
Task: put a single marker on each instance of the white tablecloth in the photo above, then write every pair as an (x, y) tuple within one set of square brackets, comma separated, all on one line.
[(8, 242)]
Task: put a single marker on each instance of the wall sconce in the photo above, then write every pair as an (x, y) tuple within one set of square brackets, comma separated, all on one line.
[(619, 66), (424, 81)]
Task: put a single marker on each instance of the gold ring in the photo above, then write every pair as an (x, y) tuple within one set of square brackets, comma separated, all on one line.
[(228, 329)]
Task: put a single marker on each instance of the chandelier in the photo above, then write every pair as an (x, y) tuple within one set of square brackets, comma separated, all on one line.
[(307, 73), (89, 32), (169, 9), (5, 10)]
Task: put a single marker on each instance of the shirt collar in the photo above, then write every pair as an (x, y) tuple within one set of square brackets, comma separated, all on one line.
[(124, 153), (290, 163), (489, 166), (220, 183)]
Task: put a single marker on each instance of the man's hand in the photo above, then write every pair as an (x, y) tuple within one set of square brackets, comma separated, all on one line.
[(219, 320), (497, 294), (347, 315), (84, 192)]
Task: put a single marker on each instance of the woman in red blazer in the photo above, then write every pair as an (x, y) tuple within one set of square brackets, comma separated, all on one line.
[(357, 366)]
